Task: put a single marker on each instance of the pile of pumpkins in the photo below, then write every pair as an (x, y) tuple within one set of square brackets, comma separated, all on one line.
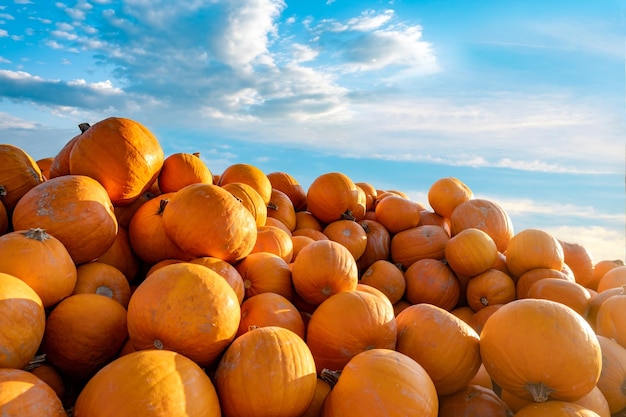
[(138, 284)]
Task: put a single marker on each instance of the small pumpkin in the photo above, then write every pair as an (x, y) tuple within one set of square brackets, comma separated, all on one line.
[(471, 252), (421, 242), (432, 281), (397, 213), (611, 320), (473, 401), (291, 187), (445, 194), (227, 271), (181, 169), (350, 234), (275, 240), (250, 199), (580, 260), (616, 277), (248, 174), (491, 287), (333, 196), (103, 279), (386, 277), (533, 248), (281, 208), (61, 162), (378, 244), (121, 255), (486, 215), (265, 272), (270, 309), (569, 293), (24, 394)]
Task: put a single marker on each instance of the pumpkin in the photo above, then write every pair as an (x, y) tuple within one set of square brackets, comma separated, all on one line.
[(482, 377), (286, 183), (596, 301), (170, 385), (207, 302), (299, 242), (533, 248), (275, 240), (470, 252), (555, 409), (125, 213), (397, 213), (600, 268), (44, 165), (312, 233), (83, 333), (347, 323), (323, 268), (23, 320), (250, 199), (61, 163), (485, 215), (596, 402), (445, 194), (411, 245), (613, 377), (377, 246), (333, 196), (268, 371), (248, 174), (430, 217), (490, 287), (270, 309), (306, 220), (121, 154), (386, 277), (480, 317), (541, 350), (380, 373), (616, 277), (265, 272), (227, 271), (18, 174), (611, 319), (181, 169), (370, 194), (446, 346), (580, 260), (350, 234), (24, 394), (317, 405), (199, 219), (528, 278), (281, 208), (75, 209), (51, 376), (4, 219), (432, 281), (40, 260), (473, 401), (569, 293), (103, 279), (121, 255)]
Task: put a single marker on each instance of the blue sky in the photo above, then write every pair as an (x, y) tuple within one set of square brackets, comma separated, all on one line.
[(523, 101)]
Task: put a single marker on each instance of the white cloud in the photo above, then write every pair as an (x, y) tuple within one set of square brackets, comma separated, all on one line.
[(3, 33)]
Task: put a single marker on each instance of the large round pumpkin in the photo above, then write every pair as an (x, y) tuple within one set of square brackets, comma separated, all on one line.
[(24, 394), (445, 194), (206, 220), (23, 319), (248, 174), (471, 252), (266, 372), (102, 279), (19, 173), (541, 350), (333, 196), (187, 308), (485, 215), (531, 249), (611, 318), (181, 169), (382, 382), (149, 383), (75, 209), (121, 154)]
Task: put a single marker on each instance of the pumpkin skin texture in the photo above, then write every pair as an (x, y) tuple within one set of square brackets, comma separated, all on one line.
[(613, 377), (333, 196), (411, 245), (74, 209), (248, 174), (103, 279), (446, 346), (121, 255), (350, 234), (61, 162), (227, 271), (471, 252), (445, 194), (270, 309), (265, 272), (41, 261), (485, 215), (348, 323), (570, 293), (24, 394), (616, 277), (473, 401), (555, 409), (491, 287), (386, 277), (121, 154), (181, 169), (281, 208), (207, 302), (83, 333), (531, 249), (580, 260), (250, 198), (323, 268), (206, 220), (266, 372), (432, 281), (378, 244), (23, 320), (289, 185), (611, 319), (397, 213), (18, 174), (150, 383), (541, 350), (380, 373), (272, 239)]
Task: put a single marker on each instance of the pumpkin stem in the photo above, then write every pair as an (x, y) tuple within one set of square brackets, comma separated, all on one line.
[(272, 205), (158, 344), (35, 362), (484, 301), (365, 227), (83, 127), (624, 387), (539, 391), (196, 154), (104, 290), (3, 192), (348, 216), (37, 234), (330, 377), (162, 205)]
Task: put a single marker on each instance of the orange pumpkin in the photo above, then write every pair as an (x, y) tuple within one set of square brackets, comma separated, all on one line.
[(411, 245), (471, 252), (611, 320), (250, 199), (306, 220), (379, 373), (181, 169), (479, 318), (121, 255), (596, 402), (323, 268), (41, 261), (541, 350), (317, 405), (270, 309), (83, 333), (18, 174), (350, 234), (446, 346), (445, 194), (121, 154), (490, 287), (103, 279), (473, 401), (347, 323), (268, 371), (432, 281), (555, 409), (312, 233), (199, 219), (61, 162), (378, 244), (171, 386), (580, 260), (226, 271), (370, 194), (616, 277), (272, 239), (75, 209), (291, 187), (24, 394), (528, 278), (265, 272), (281, 208), (600, 268), (333, 196), (387, 278), (4, 218), (23, 313), (299, 242), (596, 301), (125, 213), (613, 376), (430, 217), (397, 213), (51, 376), (208, 304), (569, 293), (248, 174), (44, 165), (533, 248), (485, 215)]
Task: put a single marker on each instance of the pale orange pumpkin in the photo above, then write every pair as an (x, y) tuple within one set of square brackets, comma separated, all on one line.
[(386, 277), (446, 346), (248, 174), (602, 267), (24, 394), (181, 169), (580, 260), (471, 252), (555, 409), (485, 215), (616, 277), (528, 278), (333, 196), (274, 240), (533, 248), (445, 194), (490, 287), (18, 174), (397, 213), (569, 293), (370, 194), (613, 376), (44, 165), (266, 372), (250, 199), (226, 271), (611, 320)]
